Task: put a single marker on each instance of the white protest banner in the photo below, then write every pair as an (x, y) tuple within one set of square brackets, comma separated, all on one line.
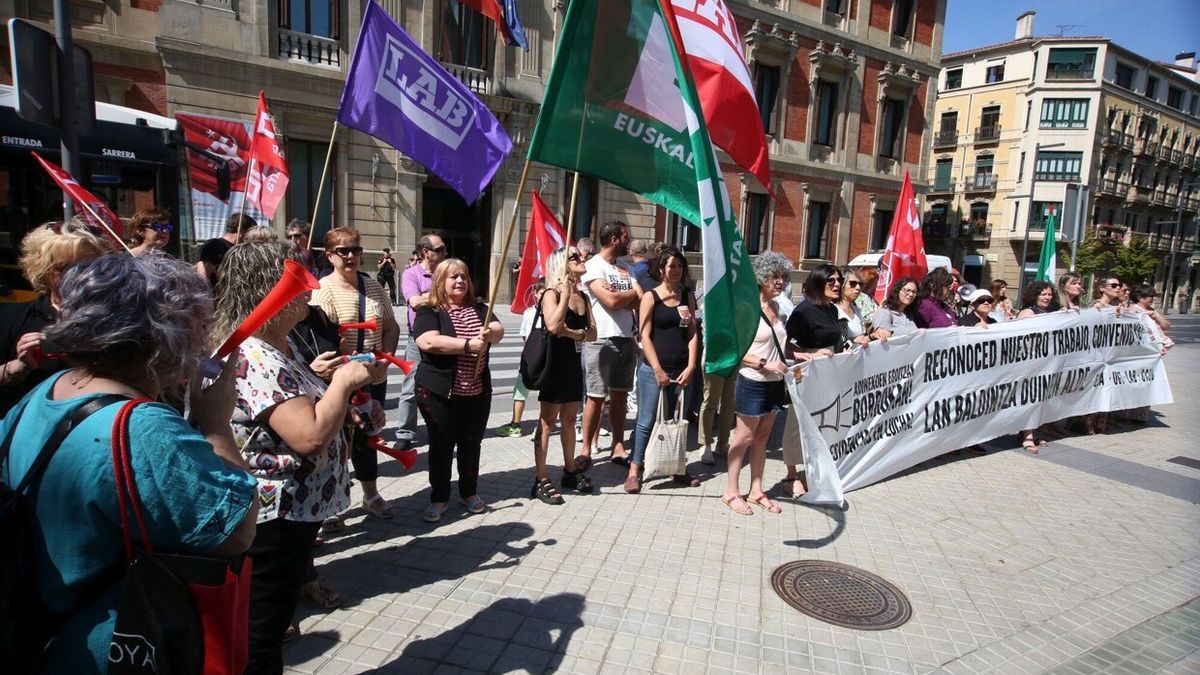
[(893, 405)]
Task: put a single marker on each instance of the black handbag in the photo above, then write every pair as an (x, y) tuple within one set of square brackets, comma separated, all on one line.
[(537, 354)]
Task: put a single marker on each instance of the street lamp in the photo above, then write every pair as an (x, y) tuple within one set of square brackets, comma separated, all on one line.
[(1037, 148), (1169, 282)]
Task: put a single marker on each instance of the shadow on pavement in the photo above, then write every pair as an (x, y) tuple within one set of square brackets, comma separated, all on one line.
[(510, 635), (836, 513)]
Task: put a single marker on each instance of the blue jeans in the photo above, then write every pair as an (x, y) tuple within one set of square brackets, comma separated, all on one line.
[(647, 393), (408, 406)]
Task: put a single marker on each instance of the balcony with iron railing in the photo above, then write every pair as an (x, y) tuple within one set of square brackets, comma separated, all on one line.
[(1062, 72), (935, 229), (981, 182), (1056, 176), (1137, 194), (946, 138), (1112, 187), (479, 81), (975, 230), (987, 134), (1142, 146), (942, 187), (311, 49), (1112, 233)]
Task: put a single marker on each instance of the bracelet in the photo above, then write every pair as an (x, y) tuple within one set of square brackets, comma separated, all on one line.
[(467, 346)]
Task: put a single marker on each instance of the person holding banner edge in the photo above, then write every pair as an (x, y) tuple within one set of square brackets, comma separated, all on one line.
[(894, 317), (1036, 299)]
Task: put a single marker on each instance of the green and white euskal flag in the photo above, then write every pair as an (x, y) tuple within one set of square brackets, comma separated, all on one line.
[(620, 106)]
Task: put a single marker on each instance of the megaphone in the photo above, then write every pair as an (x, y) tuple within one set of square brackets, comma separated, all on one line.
[(965, 291), (294, 281), (406, 457), (358, 325)]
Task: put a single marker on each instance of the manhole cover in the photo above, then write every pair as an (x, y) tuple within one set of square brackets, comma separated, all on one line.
[(841, 595)]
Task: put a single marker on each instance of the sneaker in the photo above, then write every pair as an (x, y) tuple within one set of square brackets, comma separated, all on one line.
[(512, 430), (331, 524), (578, 430), (605, 432), (377, 506), (707, 457)]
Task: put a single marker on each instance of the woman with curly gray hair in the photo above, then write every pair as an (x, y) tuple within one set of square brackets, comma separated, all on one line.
[(759, 392), (132, 327)]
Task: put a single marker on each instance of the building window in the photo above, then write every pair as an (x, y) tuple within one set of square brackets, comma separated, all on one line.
[(1151, 86), (305, 160), (943, 177), (902, 17), (1058, 167), (979, 212), (983, 172), (465, 36), (893, 128), (314, 17), (766, 90), (827, 96), (1071, 64), (881, 228), (1064, 113), (935, 226), (1037, 215), (682, 234), (835, 6), (953, 79), (816, 244), (995, 73), (758, 207), (1124, 76), (1021, 168), (1175, 98)]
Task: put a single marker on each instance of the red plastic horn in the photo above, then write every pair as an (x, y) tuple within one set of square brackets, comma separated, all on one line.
[(403, 365), (406, 457), (295, 280), (358, 325), (39, 355)]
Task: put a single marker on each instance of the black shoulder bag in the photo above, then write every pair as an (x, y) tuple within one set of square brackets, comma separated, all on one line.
[(538, 352)]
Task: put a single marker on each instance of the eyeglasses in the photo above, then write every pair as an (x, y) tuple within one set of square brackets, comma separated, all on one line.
[(911, 291), (984, 301), (575, 257), (162, 227), (347, 251), (833, 281), (1112, 285), (437, 249), (854, 284)]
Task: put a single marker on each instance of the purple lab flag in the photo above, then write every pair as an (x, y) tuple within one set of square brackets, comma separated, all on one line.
[(400, 95)]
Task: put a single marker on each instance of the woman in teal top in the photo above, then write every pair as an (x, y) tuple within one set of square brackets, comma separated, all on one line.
[(132, 326)]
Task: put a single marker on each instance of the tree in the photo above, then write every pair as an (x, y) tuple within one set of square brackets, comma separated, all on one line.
[(1135, 263), (1096, 254)]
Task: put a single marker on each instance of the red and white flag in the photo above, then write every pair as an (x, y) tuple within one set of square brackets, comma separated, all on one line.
[(545, 235), (268, 178), (905, 254), (88, 207), (713, 51)]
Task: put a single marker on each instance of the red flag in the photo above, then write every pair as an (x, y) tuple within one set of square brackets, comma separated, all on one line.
[(544, 236), (268, 177), (224, 139), (88, 207), (713, 50), (905, 254), (492, 10)]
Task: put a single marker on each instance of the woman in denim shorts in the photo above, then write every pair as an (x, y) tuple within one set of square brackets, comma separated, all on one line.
[(759, 392)]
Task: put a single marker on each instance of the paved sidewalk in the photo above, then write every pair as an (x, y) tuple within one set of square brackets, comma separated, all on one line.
[(1082, 559)]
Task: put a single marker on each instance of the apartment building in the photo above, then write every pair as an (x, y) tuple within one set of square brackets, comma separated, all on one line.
[(846, 89), (1017, 123)]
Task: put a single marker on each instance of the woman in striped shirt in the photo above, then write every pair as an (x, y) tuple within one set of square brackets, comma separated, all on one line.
[(453, 384)]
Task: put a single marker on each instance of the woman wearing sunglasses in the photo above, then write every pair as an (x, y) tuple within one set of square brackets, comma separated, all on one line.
[(847, 308), (150, 230), (349, 295), (1109, 294)]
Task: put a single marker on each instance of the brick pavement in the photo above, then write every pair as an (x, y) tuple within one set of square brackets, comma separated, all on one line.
[(1082, 559)]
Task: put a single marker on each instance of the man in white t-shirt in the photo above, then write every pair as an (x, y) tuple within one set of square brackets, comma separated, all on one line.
[(610, 361)]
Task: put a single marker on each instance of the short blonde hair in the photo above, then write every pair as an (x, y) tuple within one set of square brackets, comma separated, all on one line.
[(341, 236), (438, 292), (47, 251)]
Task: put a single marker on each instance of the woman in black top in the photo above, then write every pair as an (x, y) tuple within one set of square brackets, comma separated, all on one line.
[(564, 312), (453, 389), (981, 303), (670, 353), (1037, 298), (813, 329)]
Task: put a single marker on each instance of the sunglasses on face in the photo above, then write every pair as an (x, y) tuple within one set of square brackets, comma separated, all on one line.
[(437, 249), (1112, 285), (984, 301), (833, 281), (162, 227), (347, 251), (575, 257), (854, 284)]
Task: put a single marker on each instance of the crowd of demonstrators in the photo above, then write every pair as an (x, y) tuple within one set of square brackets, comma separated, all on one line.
[(208, 260), (568, 319), (454, 384), (416, 284), (670, 353), (46, 253), (149, 230), (609, 361), (133, 327)]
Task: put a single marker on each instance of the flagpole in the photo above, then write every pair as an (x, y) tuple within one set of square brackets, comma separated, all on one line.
[(104, 224), (571, 207), (321, 185), (245, 186), (512, 224)]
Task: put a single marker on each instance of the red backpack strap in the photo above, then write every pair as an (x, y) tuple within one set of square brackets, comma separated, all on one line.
[(127, 496)]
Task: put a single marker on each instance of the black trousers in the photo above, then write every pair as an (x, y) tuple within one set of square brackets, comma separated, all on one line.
[(281, 552), (366, 459), (453, 425), (388, 281)]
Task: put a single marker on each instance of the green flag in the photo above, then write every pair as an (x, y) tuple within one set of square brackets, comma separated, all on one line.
[(621, 107), (1048, 261)]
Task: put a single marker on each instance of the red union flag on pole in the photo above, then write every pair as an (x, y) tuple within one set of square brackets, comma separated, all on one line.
[(545, 235), (268, 178), (905, 254), (714, 53), (89, 208)]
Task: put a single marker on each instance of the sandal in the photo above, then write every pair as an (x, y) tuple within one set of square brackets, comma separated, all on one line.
[(475, 504), (686, 479), (577, 481), (544, 490), (434, 511), (583, 463), (765, 503), (620, 460), (1029, 444), (633, 485), (737, 505), (789, 486), (291, 633), (320, 596)]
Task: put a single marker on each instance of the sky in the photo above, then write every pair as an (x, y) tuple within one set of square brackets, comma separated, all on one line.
[(1156, 29)]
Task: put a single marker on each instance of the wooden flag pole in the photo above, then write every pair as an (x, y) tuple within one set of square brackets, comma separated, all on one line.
[(512, 224), (321, 186), (571, 208), (245, 187), (103, 224)]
